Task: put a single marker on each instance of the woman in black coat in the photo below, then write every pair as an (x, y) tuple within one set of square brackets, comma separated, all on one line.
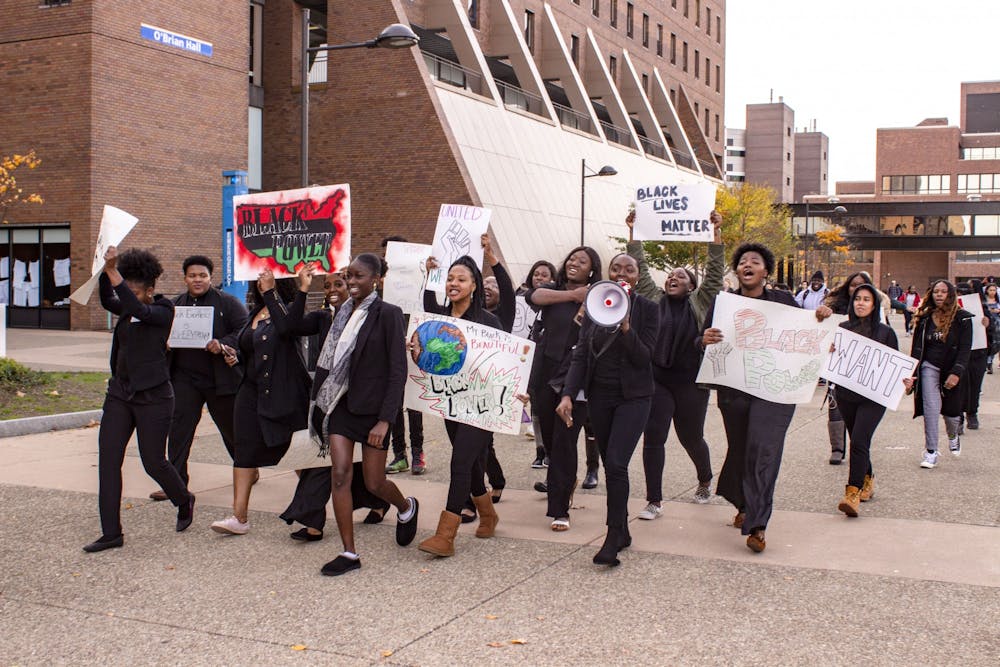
[(862, 415), (612, 366), (140, 397)]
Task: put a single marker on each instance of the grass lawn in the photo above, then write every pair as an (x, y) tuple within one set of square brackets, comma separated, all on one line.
[(34, 394)]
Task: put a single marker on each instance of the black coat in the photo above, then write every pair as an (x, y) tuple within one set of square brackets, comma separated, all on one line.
[(959, 343), (229, 319), (146, 327)]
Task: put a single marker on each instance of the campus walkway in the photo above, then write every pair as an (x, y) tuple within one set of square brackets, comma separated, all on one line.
[(914, 581)]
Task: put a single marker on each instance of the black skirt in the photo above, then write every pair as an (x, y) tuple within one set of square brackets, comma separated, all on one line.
[(260, 442), (345, 423)]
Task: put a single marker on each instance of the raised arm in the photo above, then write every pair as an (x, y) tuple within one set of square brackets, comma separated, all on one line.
[(645, 286)]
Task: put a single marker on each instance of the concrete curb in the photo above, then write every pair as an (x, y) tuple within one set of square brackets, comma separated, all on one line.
[(60, 422)]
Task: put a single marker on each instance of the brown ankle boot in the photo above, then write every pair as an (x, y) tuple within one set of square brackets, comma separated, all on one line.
[(868, 488), (852, 499), (442, 542), (488, 518)]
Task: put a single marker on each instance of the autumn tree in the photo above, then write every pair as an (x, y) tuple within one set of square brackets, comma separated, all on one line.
[(833, 252), (10, 193)]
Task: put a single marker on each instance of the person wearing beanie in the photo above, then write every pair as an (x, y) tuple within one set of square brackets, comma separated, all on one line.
[(812, 296)]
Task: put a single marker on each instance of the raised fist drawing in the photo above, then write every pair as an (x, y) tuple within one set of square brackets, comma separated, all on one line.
[(456, 240), (717, 355)]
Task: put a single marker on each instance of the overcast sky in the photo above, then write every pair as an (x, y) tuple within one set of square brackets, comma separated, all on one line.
[(857, 65)]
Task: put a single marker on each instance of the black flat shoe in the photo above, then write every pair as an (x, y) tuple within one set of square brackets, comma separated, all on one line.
[(341, 565), (496, 494), (468, 518), (105, 543), (541, 487), (608, 555), (185, 515), (407, 530), (303, 535), (590, 481), (376, 515)]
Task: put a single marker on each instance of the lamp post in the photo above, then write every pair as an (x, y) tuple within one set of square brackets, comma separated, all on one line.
[(395, 36), (837, 211), (606, 170)]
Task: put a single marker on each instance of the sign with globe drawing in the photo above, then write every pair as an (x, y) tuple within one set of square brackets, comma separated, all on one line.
[(467, 372)]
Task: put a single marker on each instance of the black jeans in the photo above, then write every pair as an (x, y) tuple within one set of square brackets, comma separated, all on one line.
[(151, 422), (308, 505), (618, 423), (755, 430), (563, 461), (188, 403), (686, 405), (416, 420), (861, 419), (975, 372), (468, 445)]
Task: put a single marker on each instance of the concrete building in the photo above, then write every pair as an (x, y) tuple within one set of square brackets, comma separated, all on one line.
[(736, 155), (812, 164), (143, 105)]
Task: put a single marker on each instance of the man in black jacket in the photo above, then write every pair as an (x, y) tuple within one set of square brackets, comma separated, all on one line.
[(202, 377)]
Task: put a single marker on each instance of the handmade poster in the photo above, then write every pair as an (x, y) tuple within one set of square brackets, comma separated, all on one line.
[(769, 350), (867, 367), (403, 286), (674, 212), (115, 226), (457, 233), (524, 317), (971, 303), (467, 372), (192, 327), (283, 230)]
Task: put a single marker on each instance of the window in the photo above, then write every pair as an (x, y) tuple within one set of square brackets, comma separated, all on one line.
[(686, 3), (595, 7), (255, 151), (934, 184), (629, 19), (659, 39), (55, 3), (256, 43), (673, 3), (788, 131), (645, 30), (718, 29), (696, 110), (706, 125), (708, 20), (716, 127), (474, 13), (708, 71), (986, 153), (645, 83), (673, 96), (730, 142), (673, 49), (788, 180), (529, 30), (613, 67), (718, 80), (684, 57), (614, 13), (824, 155), (788, 157), (697, 12), (574, 49), (978, 183), (697, 63)]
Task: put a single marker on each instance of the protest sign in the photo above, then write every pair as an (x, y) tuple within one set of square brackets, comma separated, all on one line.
[(282, 230), (867, 367), (467, 372), (971, 303), (674, 212), (457, 233), (115, 226), (403, 285), (192, 327), (769, 350), (524, 317)]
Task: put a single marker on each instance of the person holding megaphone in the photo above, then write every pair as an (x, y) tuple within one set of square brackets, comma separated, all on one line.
[(611, 365)]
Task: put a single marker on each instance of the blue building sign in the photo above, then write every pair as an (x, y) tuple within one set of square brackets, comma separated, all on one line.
[(176, 40)]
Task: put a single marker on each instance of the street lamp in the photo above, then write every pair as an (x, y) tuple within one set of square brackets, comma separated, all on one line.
[(837, 211), (606, 170), (395, 36)]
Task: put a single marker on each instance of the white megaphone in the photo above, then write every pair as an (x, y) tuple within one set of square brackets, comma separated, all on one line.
[(607, 303)]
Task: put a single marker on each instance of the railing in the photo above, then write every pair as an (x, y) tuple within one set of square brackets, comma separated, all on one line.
[(618, 135), (653, 148), (682, 159), (453, 74), (519, 98), (574, 119)]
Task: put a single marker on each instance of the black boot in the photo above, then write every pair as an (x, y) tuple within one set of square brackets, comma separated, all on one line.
[(608, 555)]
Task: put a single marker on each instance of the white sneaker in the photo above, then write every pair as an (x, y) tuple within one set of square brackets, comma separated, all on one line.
[(703, 494), (955, 446), (231, 526), (651, 511), (930, 460)]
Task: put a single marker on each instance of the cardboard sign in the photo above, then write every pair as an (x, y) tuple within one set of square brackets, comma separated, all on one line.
[(457, 233), (115, 226), (674, 212), (524, 317), (403, 286), (192, 327), (769, 350), (867, 368), (467, 372), (974, 305), (283, 230)]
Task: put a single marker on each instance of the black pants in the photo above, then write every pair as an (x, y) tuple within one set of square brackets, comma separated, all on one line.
[(494, 472), (561, 474), (618, 423), (861, 418), (416, 420), (975, 372), (312, 493), (468, 445), (755, 430), (685, 405), (151, 422), (907, 318), (593, 452), (545, 401), (188, 403)]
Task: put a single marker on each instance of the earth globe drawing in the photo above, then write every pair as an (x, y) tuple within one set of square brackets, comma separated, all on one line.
[(438, 348)]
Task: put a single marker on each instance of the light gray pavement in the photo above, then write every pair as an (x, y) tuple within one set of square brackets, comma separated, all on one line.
[(915, 580)]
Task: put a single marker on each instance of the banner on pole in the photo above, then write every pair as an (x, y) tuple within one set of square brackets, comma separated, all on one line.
[(674, 212)]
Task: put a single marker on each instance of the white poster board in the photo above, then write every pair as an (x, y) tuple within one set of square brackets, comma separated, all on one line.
[(192, 327), (457, 233), (867, 368), (115, 226), (769, 350), (403, 285), (467, 372), (674, 212), (524, 317), (974, 305)]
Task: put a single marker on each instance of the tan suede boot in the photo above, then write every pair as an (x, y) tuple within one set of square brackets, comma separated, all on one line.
[(488, 518), (442, 542), (852, 499), (868, 488)]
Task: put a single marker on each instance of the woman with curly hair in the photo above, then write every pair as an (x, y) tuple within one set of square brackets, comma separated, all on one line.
[(942, 340), (140, 397)]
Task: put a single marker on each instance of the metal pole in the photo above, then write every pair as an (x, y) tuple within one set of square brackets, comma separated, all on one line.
[(806, 246), (583, 192), (304, 102)]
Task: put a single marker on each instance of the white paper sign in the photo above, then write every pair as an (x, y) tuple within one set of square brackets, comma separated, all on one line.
[(524, 317), (971, 303), (769, 350), (457, 233), (115, 226), (674, 212), (403, 285), (467, 372), (867, 368), (192, 327)]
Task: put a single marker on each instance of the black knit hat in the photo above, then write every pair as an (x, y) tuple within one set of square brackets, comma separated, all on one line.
[(817, 277)]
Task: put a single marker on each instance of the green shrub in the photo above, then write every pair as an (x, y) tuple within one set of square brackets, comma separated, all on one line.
[(14, 376)]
